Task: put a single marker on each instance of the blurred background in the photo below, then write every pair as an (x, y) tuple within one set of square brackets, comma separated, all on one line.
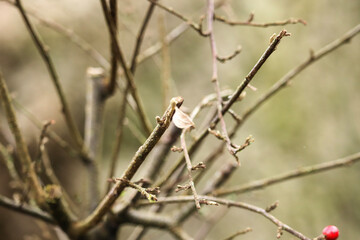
[(315, 119)]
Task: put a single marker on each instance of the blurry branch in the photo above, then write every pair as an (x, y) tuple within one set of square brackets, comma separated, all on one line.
[(43, 198), (230, 57), (51, 134), (214, 78), (170, 37), (208, 224), (301, 172), (96, 94), (114, 64), (314, 56), (196, 27), (252, 24), (25, 209), (9, 163), (139, 157), (70, 34), (26, 163), (220, 177), (50, 66), (128, 74), (140, 37), (234, 97), (229, 203), (242, 232), (122, 112)]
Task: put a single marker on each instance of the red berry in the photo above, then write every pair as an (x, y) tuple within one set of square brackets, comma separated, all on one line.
[(331, 232)]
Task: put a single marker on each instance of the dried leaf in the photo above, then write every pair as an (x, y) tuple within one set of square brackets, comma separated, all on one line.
[(182, 120)]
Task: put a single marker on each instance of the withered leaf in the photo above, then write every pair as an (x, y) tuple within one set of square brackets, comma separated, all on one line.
[(182, 120)]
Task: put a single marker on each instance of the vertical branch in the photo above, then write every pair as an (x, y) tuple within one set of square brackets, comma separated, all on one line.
[(21, 147), (138, 159), (189, 169), (210, 20), (114, 63), (44, 199), (128, 74), (93, 121), (120, 126), (50, 66)]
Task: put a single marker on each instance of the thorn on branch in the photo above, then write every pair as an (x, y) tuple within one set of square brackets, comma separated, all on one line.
[(182, 187), (272, 207), (176, 149), (144, 191), (228, 58), (200, 165)]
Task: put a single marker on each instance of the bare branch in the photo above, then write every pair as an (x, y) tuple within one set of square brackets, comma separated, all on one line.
[(54, 77), (25, 209), (304, 171), (252, 24), (136, 162)]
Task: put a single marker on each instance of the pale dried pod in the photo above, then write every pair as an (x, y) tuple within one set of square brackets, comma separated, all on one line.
[(182, 120)]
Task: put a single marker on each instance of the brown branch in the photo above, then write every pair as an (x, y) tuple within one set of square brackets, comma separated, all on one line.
[(43, 50), (122, 113), (189, 168), (128, 74), (26, 163), (301, 172), (229, 203), (285, 80), (242, 232), (69, 34), (210, 18), (234, 97), (170, 37), (25, 209), (252, 24), (96, 94), (114, 64), (42, 198), (136, 162), (10, 164), (196, 27), (230, 57), (51, 134)]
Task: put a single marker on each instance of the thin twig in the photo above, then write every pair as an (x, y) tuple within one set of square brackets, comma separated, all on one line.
[(189, 168), (242, 232), (21, 147), (42, 198), (252, 24), (122, 112), (314, 56), (43, 50), (114, 64), (214, 79), (25, 209), (196, 27), (128, 74), (51, 134), (10, 165), (235, 97), (301, 172), (139, 157), (229, 203)]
